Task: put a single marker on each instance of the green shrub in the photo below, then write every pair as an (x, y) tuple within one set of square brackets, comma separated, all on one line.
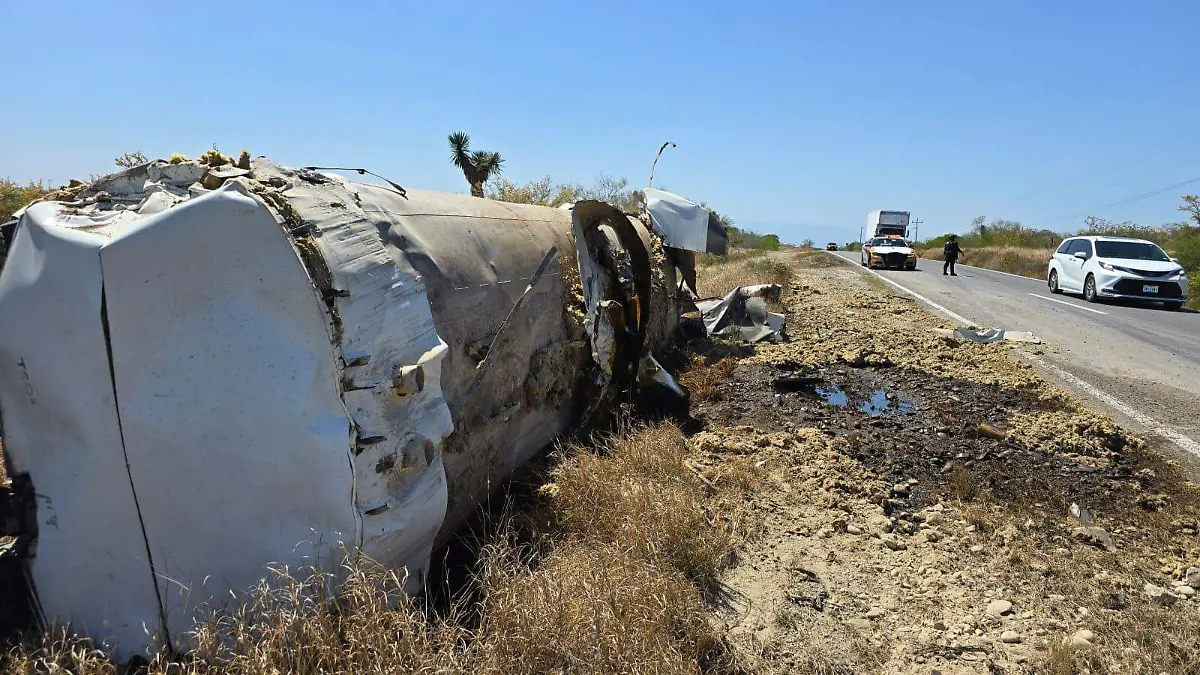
[(13, 196)]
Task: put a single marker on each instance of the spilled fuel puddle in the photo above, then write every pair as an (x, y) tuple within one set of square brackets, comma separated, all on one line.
[(878, 403)]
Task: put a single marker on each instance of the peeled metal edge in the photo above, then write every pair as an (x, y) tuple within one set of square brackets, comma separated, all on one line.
[(400, 418), (616, 326)]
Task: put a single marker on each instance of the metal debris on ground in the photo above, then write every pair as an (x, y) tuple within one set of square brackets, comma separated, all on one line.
[(743, 314), (972, 334)]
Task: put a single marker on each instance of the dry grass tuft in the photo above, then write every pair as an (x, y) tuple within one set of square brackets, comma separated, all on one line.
[(706, 375), (962, 484), (594, 608), (743, 268), (643, 498)]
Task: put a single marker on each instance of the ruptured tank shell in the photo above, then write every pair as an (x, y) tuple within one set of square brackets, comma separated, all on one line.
[(208, 370)]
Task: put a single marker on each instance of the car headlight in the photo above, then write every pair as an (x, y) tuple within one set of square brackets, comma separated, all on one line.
[(1106, 266), (1182, 273)]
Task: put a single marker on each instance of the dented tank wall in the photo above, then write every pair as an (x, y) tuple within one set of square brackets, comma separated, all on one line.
[(474, 259), (293, 355)]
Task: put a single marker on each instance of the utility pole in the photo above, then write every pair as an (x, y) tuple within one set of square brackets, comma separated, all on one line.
[(915, 223)]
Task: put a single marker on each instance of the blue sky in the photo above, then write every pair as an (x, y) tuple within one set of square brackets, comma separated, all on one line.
[(793, 117)]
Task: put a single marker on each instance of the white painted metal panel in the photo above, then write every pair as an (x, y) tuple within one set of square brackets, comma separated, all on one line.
[(895, 218), (681, 223), (61, 427), (238, 441)]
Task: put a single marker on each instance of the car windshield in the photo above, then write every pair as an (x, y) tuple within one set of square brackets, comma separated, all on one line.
[(888, 242), (1130, 250)]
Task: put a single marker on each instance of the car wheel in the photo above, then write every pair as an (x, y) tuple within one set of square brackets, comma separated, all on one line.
[(1054, 282), (1089, 289), (1173, 306)]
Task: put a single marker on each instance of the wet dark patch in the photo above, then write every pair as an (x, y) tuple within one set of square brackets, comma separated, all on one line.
[(905, 424), (875, 404)]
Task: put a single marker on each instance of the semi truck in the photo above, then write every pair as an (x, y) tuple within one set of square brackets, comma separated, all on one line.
[(886, 223)]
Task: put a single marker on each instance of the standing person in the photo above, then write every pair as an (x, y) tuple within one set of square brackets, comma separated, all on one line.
[(950, 253)]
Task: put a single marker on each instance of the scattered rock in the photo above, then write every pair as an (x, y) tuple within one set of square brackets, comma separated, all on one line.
[(1081, 638), (1155, 502), (876, 613), (977, 548), (1192, 577), (1081, 514), (1185, 591), (880, 522), (1010, 637), (900, 489), (1095, 536), (853, 529), (939, 625), (861, 624), (999, 608), (1159, 594), (894, 544)]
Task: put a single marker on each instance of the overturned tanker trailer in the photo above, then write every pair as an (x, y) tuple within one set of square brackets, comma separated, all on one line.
[(208, 370)]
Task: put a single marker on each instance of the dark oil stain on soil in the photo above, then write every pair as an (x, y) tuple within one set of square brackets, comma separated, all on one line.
[(906, 424)]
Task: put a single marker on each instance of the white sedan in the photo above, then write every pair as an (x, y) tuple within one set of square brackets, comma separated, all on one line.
[(1117, 267)]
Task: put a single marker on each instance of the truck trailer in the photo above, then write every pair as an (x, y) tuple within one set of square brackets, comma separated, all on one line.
[(887, 223)]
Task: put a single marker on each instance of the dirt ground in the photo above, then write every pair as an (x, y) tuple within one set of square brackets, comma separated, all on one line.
[(913, 500)]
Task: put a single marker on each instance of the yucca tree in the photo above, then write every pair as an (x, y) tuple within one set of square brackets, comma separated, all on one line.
[(478, 166)]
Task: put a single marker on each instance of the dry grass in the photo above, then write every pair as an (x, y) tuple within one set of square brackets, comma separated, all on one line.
[(962, 484), (1027, 262), (705, 375), (1133, 633), (614, 583), (744, 268), (642, 498)]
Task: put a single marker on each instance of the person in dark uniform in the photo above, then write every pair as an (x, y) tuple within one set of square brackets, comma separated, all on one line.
[(950, 253)]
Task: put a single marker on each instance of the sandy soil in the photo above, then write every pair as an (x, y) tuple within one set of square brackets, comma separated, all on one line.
[(913, 498)]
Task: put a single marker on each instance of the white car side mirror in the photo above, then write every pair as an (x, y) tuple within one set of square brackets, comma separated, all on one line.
[(1175, 260), (1081, 255)]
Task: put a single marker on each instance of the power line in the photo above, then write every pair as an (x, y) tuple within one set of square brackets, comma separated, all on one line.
[(1121, 202), (1095, 170)]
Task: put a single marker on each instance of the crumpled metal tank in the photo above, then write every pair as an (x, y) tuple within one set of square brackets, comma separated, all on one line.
[(285, 366)]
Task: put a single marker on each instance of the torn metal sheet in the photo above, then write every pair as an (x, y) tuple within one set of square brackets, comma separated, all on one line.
[(467, 262), (685, 225), (651, 373), (987, 335), (285, 365), (742, 313)]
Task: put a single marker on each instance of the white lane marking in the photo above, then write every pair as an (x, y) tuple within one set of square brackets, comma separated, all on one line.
[(1181, 441), (1068, 304), (962, 320), (1120, 406)]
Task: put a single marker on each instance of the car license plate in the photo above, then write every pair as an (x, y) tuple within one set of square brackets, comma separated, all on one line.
[(1148, 288)]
